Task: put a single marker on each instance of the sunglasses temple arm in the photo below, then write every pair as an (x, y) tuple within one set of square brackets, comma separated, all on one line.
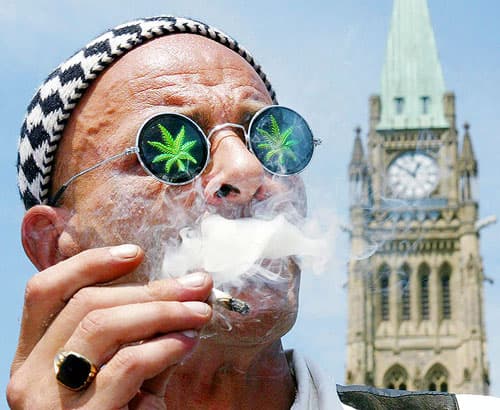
[(55, 199)]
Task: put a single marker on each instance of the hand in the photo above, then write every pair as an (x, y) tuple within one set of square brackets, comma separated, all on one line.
[(139, 332)]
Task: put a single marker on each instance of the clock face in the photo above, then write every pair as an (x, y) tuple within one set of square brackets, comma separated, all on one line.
[(413, 175)]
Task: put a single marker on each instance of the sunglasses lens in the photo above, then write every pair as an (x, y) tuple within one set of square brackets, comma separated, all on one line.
[(172, 148), (281, 140)]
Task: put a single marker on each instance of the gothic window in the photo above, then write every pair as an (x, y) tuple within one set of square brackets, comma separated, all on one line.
[(465, 186), (396, 378), (426, 102), (399, 103), (445, 274), (423, 274), (384, 274), (404, 282), (357, 188), (437, 379)]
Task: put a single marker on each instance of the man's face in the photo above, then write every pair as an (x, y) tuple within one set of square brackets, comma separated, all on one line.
[(120, 203)]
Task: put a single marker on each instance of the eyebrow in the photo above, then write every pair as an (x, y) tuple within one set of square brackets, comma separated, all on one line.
[(246, 110)]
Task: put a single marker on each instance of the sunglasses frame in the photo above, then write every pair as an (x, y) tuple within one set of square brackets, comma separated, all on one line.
[(137, 149), (314, 141), (53, 201)]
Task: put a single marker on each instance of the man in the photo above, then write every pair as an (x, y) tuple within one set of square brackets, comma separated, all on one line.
[(102, 201), (141, 343)]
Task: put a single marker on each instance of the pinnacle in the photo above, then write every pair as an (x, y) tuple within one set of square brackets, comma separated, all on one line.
[(358, 155), (467, 150)]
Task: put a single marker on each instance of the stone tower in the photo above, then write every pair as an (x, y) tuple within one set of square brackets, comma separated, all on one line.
[(415, 286)]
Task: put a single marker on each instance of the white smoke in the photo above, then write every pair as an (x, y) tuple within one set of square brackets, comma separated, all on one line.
[(229, 248)]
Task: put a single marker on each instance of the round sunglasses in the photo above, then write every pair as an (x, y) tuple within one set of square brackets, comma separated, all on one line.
[(174, 149)]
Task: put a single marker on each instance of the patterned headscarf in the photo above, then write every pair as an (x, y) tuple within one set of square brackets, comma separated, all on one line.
[(53, 103)]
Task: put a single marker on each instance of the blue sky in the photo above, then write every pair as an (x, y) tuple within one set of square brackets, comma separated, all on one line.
[(324, 59)]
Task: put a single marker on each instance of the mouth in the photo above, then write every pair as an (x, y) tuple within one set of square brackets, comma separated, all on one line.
[(253, 261)]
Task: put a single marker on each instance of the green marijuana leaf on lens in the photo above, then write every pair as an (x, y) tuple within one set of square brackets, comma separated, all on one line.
[(174, 151), (277, 143)]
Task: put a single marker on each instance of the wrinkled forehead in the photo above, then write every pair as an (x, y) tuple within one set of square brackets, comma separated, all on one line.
[(186, 54), (186, 59)]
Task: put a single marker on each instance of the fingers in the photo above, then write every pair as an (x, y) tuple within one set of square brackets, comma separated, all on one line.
[(192, 287), (48, 291), (122, 377), (136, 333), (103, 332)]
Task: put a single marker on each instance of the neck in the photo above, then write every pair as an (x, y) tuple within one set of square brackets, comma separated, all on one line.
[(232, 377)]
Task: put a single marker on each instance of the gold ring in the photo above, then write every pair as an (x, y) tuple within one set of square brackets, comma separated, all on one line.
[(73, 370)]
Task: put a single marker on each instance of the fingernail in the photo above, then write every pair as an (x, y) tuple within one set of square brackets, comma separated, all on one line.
[(125, 251), (197, 307), (190, 333), (193, 280)]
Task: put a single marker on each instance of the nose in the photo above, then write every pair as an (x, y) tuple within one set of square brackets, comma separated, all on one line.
[(235, 174)]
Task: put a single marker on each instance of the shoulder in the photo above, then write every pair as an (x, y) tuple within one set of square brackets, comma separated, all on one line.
[(316, 390)]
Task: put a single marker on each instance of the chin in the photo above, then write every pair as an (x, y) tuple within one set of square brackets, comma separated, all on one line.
[(273, 311)]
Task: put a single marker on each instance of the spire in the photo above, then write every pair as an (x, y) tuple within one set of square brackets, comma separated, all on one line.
[(358, 155), (358, 174), (412, 78), (467, 158)]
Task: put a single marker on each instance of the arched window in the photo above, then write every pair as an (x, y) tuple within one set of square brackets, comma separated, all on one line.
[(444, 275), (424, 274), (426, 102), (465, 186), (396, 378), (404, 282), (384, 274), (399, 104), (437, 379)]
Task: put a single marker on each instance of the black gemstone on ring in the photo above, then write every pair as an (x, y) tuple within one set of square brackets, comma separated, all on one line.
[(74, 372)]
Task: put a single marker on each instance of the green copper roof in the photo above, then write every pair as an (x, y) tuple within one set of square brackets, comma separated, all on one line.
[(412, 78)]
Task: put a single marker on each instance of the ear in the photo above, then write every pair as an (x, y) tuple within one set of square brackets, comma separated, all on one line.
[(41, 228)]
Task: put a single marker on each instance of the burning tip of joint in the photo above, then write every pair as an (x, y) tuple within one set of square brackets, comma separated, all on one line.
[(228, 302), (238, 305)]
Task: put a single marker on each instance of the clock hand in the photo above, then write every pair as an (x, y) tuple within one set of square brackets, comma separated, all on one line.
[(405, 170), (414, 173)]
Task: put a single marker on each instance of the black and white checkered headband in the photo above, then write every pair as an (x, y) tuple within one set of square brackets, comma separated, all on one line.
[(53, 103)]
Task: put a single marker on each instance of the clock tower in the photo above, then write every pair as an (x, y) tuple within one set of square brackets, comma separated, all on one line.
[(415, 284)]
